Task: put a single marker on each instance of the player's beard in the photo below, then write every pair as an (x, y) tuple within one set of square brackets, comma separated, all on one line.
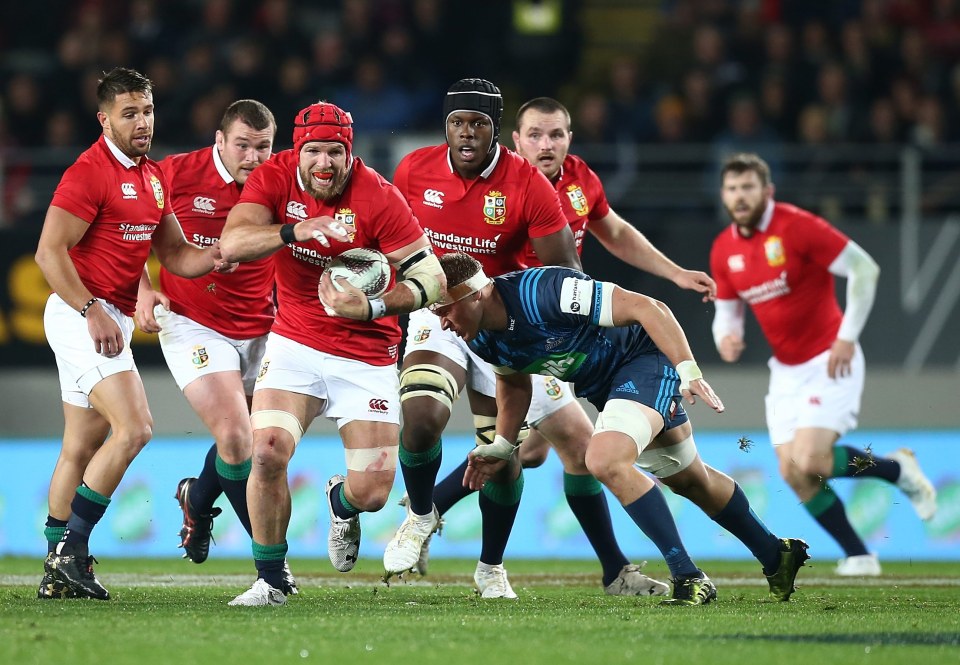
[(129, 148), (338, 182), (753, 219)]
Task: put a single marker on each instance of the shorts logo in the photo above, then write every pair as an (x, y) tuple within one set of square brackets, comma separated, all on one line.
[(157, 191), (348, 219), (200, 358), (553, 387), (379, 405), (298, 210), (814, 401), (628, 387), (129, 190), (433, 198), (578, 200), (495, 208), (672, 409), (773, 248), (263, 369), (422, 335), (204, 204)]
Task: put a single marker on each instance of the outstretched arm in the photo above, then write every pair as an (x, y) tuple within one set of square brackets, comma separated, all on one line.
[(628, 244), (629, 308)]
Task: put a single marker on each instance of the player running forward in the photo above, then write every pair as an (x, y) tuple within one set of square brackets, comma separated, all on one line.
[(781, 260), (213, 331), (304, 207), (109, 210), (626, 353)]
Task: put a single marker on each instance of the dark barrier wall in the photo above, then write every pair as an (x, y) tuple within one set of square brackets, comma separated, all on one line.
[(913, 326)]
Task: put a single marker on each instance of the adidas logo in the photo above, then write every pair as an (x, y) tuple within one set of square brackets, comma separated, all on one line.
[(628, 387)]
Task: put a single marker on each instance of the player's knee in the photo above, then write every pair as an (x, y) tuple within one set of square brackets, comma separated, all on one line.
[(234, 443), (601, 464), (422, 428), (133, 436), (534, 456), (370, 496), (271, 453)]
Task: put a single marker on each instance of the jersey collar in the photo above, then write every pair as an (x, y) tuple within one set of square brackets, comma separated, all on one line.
[(487, 172), (118, 154), (221, 169), (767, 217)]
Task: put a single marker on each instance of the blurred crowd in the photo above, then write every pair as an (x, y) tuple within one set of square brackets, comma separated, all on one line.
[(760, 71), (756, 75)]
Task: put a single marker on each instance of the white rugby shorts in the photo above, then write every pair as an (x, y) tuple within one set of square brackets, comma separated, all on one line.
[(79, 366), (425, 334), (193, 350), (801, 396), (351, 389)]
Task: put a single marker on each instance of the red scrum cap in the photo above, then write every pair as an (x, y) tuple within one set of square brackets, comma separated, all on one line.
[(323, 121)]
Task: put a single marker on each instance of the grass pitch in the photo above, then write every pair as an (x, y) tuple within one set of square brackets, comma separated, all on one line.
[(171, 611)]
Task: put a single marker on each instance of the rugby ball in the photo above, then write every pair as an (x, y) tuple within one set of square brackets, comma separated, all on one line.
[(366, 269)]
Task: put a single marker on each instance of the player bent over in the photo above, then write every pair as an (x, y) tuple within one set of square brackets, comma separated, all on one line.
[(626, 353)]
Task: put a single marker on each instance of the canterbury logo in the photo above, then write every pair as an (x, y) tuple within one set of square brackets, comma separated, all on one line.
[(379, 405), (298, 210), (433, 198), (204, 204), (129, 190)]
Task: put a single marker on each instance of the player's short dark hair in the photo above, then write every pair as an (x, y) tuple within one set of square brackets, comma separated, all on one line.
[(250, 112), (120, 81), (459, 267), (543, 105), (743, 162)]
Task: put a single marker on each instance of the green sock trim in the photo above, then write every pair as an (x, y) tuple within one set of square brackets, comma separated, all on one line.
[(841, 462), (821, 501), (506, 494), (269, 552), (54, 534), (91, 495), (581, 485), (419, 459), (343, 499), (239, 471)]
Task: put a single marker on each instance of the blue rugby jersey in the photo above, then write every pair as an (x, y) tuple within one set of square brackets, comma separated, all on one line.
[(553, 329)]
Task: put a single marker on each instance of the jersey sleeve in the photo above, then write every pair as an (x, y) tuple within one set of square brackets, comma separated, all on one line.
[(263, 187), (80, 193), (818, 239), (542, 209), (600, 207), (559, 296), (399, 226)]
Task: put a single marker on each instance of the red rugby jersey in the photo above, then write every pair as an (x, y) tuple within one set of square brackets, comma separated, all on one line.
[(376, 216), (490, 217), (123, 203), (239, 304), (582, 200), (781, 271)]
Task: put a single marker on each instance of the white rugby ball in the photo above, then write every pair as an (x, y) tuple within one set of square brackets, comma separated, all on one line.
[(366, 269)]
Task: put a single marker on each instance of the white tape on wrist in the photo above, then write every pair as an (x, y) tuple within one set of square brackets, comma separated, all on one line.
[(501, 448), (378, 308), (688, 371)]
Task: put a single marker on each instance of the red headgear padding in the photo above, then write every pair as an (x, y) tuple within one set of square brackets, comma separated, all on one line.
[(323, 121)]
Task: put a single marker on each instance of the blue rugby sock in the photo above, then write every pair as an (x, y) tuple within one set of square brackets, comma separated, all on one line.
[(652, 515)]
